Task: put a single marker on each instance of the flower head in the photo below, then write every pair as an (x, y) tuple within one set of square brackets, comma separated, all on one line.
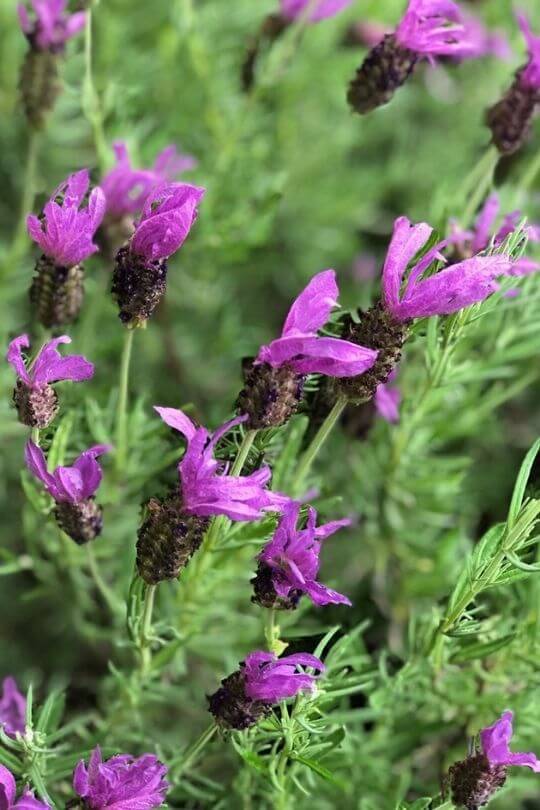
[(121, 783), (293, 556), (126, 188), (530, 75), (434, 28), (167, 216), (8, 799), (52, 26), (302, 349), (207, 489), (271, 679), (495, 740), (447, 291), (49, 365), (65, 230), (12, 708), (292, 9), (68, 484), (387, 399)]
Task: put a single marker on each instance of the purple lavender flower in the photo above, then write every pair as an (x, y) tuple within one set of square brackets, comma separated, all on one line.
[(12, 708), (387, 399), (247, 695), (293, 9), (302, 349), (289, 563), (8, 799), (73, 489), (52, 26), (207, 489), (495, 742), (429, 28), (530, 74), (126, 188), (140, 274), (447, 291), (121, 783), (66, 229)]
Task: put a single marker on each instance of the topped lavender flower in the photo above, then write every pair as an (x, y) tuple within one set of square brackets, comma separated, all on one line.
[(140, 274), (65, 230), (321, 10), (73, 489), (207, 488), (510, 118), (429, 28), (122, 782), (476, 779), (247, 695), (274, 385), (35, 400), (12, 708), (8, 795), (126, 188), (289, 563), (52, 26)]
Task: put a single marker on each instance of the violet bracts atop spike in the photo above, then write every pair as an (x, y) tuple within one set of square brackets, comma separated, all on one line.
[(8, 795), (289, 563), (51, 26), (12, 709), (274, 385), (510, 118), (321, 10), (207, 489), (429, 28), (122, 782), (36, 401), (140, 274), (476, 779), (246, 696), (73, 489)]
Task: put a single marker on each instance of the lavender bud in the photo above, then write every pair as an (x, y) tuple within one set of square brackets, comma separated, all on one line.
[(39, 85), (473, 781), (231, 706), (56, 292), (138, 286), (270, 395), (511, 118), (167, 539), (385, 69), (82, 521), (36, 406), (265, 593)]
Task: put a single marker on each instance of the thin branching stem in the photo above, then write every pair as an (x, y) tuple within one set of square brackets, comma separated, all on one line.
[(319, 439), (122, 406)]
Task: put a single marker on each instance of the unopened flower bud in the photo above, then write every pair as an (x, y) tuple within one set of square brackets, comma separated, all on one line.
[(37, 405), (138, 286), (56, 292), (264, 592), (39, 85), (82, 521), (270, 395), (385, 69), (232, 708), (473, 781)]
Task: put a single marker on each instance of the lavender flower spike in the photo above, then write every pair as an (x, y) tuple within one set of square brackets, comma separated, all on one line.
[(510, 118), (8, 795), (495, 740), (429, 28), (140, 274), (247, 695), (289, 563), (65, 234), (36, 401), (274, 385), (121, 783), (73, 489), (52, 26), (12, 708), (322, 10)]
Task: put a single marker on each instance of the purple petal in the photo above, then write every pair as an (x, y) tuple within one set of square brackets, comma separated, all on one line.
[(168, 214), (495, 744), (311, 309), (15, 358), (321, 595), (178, 420), (407, 240), (12, 708), (293, 9), (37, 464), (7, 787), (310, 354), (387, 401), (28, 802), (485, 223), (530, 76), (51, 367)]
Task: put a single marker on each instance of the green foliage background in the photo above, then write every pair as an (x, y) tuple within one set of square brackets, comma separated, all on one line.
[(296, 184)]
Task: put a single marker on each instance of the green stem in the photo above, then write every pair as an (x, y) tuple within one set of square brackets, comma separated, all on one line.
[(27, 202), (319, 439), (35, 435), (121, 411), (488, 164), (192, 753), (529, 176), (146, 627), (113, 603), (90, 100)]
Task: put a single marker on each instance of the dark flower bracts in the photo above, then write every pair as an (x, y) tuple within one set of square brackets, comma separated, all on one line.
[(475, 780), (64, 232), (289, 563), (174, 527), (510, 119), (429, 28), (47, 27), (122, 782), (262, 680), (274, 385), (34, 397), (73, 490), (140, 273)]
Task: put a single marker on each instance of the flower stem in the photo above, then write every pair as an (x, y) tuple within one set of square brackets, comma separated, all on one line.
[(27, 202), (121, 411), (319, 439), (146, 627), (35, 435), (482, 185), (90, 99), (192, 753), (109, 597)]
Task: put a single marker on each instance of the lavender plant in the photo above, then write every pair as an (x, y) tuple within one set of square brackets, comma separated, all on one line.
[(181, 629)]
